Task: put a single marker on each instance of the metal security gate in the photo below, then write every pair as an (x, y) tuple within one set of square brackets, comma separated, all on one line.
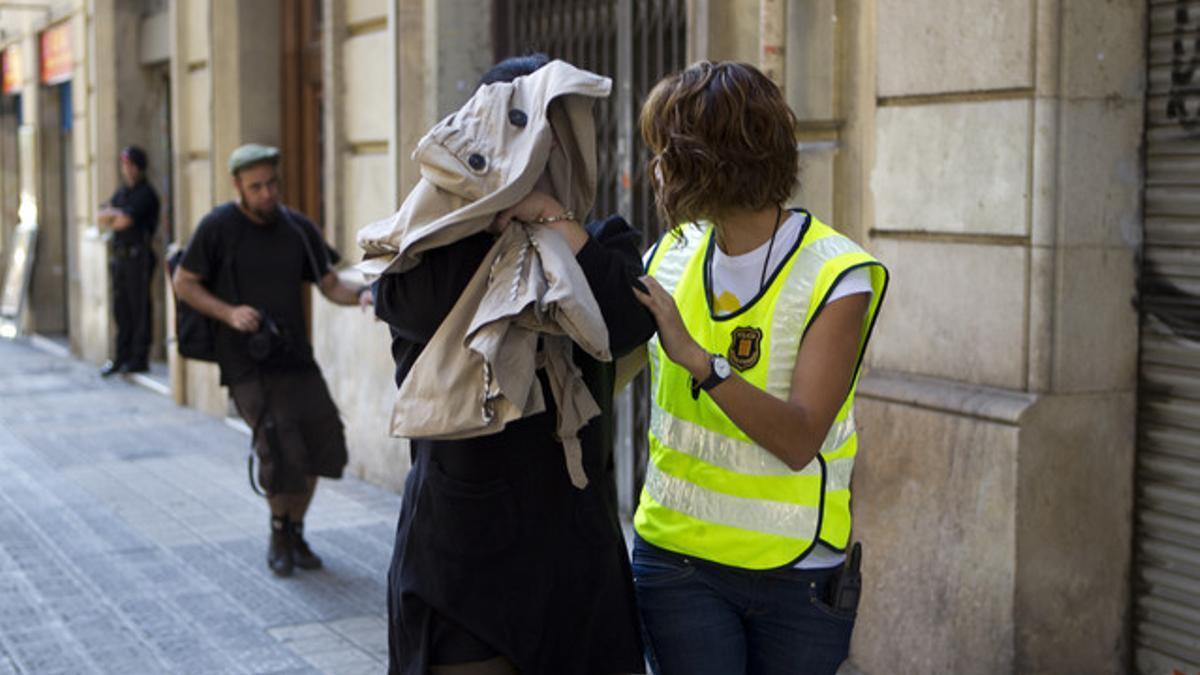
[(636, 43), (1166, 584)]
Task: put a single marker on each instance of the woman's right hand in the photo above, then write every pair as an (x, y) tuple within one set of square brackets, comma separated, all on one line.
[(676, 341)]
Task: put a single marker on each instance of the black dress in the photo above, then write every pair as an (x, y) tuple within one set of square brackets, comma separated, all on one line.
[(492, 535)]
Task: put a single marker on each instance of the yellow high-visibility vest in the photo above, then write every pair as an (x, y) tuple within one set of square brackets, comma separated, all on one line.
[(710, 491)]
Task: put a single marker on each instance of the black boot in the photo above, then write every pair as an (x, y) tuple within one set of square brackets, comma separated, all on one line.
[(303, 556), (111, 368), (279, 556)]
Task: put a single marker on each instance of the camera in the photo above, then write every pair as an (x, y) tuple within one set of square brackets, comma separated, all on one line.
[(268, 341)]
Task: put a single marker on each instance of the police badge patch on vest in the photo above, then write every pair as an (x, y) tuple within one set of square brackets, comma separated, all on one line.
[(745, 348)]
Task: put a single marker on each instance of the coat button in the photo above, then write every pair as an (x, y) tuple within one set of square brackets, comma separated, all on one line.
[(477, 161), (518, 117)]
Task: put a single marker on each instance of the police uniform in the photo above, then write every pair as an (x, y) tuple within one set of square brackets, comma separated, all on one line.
[(726, 531), (699, 458), (132, 266)]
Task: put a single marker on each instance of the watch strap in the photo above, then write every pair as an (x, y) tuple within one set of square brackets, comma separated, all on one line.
[(709, 382)]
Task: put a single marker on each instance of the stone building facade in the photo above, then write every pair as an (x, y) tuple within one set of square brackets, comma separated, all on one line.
[(991, 152)]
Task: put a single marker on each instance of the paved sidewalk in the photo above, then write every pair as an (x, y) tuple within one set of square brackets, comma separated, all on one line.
[(130, 541)]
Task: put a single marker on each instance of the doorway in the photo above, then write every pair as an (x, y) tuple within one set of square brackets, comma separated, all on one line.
[(302, 99), (55, 276), (10, 175), (302, 118)]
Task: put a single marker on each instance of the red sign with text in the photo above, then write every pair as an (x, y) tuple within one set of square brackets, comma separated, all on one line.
[(56, 57), (10, 65)]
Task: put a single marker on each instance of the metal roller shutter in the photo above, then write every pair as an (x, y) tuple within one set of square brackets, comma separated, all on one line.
[(1166, 620)]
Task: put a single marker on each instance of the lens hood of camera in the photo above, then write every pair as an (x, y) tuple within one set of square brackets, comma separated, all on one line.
[(267, 341)]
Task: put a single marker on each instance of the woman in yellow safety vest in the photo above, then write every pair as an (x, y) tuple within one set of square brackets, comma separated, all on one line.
[(741, 558)]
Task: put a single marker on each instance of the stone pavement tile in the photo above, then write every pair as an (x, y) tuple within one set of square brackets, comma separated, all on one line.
[(267, 659), (131, 542), (185, 656), (332, 646), (330, 642), (358, 624), (49, 657), (368, 633), (344, 661), (300, 632), (129, 658), (223, 622), (246, 584), (20, 613), (101, 633), (365, 668), (340, 589)]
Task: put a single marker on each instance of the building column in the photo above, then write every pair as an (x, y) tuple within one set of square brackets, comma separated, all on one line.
[(994, 487)]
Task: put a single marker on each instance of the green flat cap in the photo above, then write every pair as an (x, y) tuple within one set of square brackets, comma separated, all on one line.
[(251, 153)]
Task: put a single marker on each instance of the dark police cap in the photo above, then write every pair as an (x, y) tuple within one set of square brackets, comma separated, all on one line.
[(135, 155)]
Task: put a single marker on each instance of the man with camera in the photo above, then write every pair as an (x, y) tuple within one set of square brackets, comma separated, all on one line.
[(245, 267)]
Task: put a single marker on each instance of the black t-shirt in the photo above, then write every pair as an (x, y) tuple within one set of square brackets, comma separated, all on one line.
[(140, 203), (269, 265)]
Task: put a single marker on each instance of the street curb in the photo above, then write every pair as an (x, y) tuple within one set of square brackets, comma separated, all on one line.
[(48, 346), (146, 382)]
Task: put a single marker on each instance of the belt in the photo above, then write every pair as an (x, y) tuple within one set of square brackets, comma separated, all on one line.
[(126, 251)]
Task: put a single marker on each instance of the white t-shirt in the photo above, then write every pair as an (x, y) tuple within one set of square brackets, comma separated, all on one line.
[(736, 281)]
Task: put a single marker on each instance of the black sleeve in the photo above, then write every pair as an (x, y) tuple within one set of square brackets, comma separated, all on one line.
[(415, 302), (204, 250), (612, 262), (322, 255)]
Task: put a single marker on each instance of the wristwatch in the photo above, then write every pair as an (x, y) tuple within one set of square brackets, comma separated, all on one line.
[(719, 372)]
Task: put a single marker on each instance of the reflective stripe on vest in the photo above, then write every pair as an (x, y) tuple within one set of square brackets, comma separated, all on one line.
[(710, 491)]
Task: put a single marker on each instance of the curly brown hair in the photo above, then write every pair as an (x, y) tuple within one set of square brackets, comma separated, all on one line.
[(720, 136)]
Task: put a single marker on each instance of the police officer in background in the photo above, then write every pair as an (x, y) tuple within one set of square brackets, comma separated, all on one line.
[(132, 215)]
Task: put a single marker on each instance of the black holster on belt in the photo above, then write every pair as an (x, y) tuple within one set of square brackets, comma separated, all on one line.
[(846, 589)]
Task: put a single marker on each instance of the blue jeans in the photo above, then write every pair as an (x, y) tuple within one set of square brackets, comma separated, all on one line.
[(702, 618)]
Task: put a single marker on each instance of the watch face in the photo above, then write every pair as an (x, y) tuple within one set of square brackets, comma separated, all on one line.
[(721, 367)]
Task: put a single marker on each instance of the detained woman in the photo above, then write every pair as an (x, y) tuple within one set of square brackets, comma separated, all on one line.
[(501, 564)]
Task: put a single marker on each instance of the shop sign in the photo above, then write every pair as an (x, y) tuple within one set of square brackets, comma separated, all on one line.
[(10, 70), (56, 57)]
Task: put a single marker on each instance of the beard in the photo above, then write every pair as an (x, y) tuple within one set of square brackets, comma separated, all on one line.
[(268, 214)]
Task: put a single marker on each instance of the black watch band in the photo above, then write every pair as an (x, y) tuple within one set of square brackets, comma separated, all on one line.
[(717, 373)]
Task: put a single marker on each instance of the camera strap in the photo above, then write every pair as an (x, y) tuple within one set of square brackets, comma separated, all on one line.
[(266, 430), (261, 426), (308, 252), (265, 427)]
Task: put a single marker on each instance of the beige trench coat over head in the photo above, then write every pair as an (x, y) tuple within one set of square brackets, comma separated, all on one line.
[(477, 372)]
